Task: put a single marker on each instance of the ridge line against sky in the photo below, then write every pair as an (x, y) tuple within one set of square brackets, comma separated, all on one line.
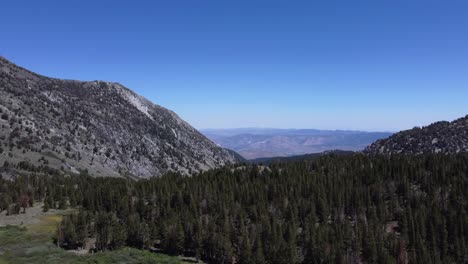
[(347, 65)]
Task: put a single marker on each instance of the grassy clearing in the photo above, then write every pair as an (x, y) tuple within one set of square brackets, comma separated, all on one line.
[(33, 244), (47, 225)]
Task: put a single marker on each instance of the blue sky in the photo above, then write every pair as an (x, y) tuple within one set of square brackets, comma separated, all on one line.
[(369, 65)]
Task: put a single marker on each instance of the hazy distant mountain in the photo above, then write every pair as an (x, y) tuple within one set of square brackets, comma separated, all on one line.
[(440, 137), (254, 143), (99, 127)]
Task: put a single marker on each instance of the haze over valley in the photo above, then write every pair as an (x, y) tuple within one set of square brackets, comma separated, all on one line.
[(254, 143)]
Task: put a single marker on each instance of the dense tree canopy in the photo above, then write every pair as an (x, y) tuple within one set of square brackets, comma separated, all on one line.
[(331, 209)]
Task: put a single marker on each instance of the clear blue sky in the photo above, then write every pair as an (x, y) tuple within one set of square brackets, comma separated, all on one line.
[(371, 65)]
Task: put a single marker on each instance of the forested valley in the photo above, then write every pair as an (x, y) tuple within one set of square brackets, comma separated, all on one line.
[(330, 209)]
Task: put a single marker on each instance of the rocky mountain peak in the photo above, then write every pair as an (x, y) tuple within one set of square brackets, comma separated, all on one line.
[(99, 127)]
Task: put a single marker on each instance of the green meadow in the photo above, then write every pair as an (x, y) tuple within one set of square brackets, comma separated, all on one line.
[(34, 244)]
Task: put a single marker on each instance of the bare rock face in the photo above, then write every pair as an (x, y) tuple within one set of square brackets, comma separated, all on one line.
[(101, 128), (441, 137)]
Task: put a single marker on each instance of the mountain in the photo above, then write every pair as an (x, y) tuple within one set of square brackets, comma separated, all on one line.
[(254, 143), (440, 137), (97, 127)]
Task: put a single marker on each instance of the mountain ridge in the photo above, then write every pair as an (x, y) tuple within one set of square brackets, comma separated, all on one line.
[(439, 137), (99, 127)]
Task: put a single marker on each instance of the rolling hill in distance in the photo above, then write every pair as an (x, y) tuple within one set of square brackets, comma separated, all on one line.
[(253, 143)]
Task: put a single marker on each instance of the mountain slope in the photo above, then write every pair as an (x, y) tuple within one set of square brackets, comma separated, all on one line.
[(439, 137), (99, 127), (253, 143)]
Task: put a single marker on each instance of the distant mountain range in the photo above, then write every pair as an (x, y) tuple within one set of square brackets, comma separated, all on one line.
[(440, 137), (253, 143), (102, 128)]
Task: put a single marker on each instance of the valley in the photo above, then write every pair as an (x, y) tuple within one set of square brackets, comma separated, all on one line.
[(306, 156), (77, 185), (254, 143)]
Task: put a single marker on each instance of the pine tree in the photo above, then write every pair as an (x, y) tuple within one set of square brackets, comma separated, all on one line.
[(174, 239), (103, 234), (370, 248), (50, 202), (245, 254), (72, 199), (290, 239), (258, 255), (63, 203), (82, 227), (46, 206)]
